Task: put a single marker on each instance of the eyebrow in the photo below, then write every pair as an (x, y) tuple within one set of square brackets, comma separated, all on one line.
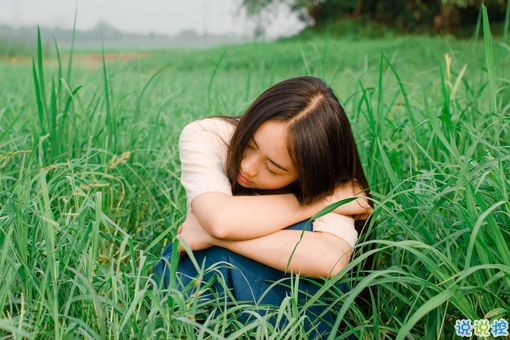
[(270, 160)]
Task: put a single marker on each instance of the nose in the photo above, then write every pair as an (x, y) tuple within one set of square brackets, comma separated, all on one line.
[(248, 165)]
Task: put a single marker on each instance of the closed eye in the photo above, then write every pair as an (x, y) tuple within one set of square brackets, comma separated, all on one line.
[(270, 171), (252, 144)]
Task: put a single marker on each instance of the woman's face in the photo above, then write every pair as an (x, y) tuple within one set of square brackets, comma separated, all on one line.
[(266, 163)]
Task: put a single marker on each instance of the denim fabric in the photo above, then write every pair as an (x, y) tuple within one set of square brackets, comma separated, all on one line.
[(249, 281)]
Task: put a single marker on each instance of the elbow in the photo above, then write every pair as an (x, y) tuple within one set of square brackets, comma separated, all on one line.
[(217, 221), (217, 228), (335, 257), (336, 264), (219, 233)]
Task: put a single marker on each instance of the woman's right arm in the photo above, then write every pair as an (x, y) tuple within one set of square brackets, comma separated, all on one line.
[(247, 217)]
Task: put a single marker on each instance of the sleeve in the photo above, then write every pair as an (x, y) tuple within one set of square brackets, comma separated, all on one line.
[(202, 154), (338, 225)]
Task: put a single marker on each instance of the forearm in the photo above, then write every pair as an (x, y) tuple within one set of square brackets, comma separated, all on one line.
[(317, 254), (248, 217)]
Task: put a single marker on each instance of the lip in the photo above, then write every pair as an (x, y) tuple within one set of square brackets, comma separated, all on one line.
[(243, 179)]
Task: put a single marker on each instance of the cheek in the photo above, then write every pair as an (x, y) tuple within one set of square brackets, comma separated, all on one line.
[(269, 182)]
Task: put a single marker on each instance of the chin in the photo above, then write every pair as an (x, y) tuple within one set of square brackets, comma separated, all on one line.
[(245, 185)]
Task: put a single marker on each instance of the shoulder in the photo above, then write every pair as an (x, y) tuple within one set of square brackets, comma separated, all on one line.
[(209, 126), (207, 136)]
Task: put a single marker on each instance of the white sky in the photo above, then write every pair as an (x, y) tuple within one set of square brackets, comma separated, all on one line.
[(142, 16)]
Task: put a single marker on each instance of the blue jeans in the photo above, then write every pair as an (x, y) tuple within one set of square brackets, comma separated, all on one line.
[(249, 281)]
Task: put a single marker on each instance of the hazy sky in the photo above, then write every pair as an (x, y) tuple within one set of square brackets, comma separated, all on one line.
[(142, 16)]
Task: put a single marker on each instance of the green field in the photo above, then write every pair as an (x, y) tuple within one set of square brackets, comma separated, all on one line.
[(90, 191)]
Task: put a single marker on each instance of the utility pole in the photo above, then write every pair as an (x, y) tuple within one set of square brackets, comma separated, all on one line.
[(205, 17)]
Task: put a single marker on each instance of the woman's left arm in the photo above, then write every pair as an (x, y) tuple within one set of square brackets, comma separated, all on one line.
[(316, 254)]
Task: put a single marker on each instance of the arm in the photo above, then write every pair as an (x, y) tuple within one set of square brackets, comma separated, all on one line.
[(248, 217), (317, 254), (202, 147), (222, 215)]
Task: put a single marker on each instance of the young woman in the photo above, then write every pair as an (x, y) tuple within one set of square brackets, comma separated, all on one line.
[(248, 178)]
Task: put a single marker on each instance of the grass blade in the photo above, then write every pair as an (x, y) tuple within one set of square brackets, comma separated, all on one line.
[(431, 304), (71, 52), (489, 59), (211, 80), (111, 121), (38, 96), (42, 85), (507, 21)]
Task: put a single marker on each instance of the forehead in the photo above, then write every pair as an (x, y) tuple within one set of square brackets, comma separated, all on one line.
[(271, 139)]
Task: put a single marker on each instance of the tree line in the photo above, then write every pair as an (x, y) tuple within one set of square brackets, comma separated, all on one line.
[(408, 15)]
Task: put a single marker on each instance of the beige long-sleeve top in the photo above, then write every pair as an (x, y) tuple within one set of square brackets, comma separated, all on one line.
[(203, 150)]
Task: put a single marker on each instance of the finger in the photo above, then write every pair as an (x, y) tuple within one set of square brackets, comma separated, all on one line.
[(181, 248), (354, 208), (364, 216), (361, 217)]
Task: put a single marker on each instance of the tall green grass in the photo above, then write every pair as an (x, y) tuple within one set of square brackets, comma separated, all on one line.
[(90, 192)]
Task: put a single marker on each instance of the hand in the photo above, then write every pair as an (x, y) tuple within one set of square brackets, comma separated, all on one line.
[(193, 234), (359, 209)]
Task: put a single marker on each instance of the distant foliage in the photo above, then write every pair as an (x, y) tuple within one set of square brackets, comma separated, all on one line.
[(468, 3), (15, 49), (407, 15)]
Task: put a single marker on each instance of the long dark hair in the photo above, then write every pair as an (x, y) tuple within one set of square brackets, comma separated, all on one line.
[(320, 140), (320, 144)]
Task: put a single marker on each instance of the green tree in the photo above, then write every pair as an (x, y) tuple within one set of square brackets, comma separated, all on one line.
[(409, 15), (310, 11)]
